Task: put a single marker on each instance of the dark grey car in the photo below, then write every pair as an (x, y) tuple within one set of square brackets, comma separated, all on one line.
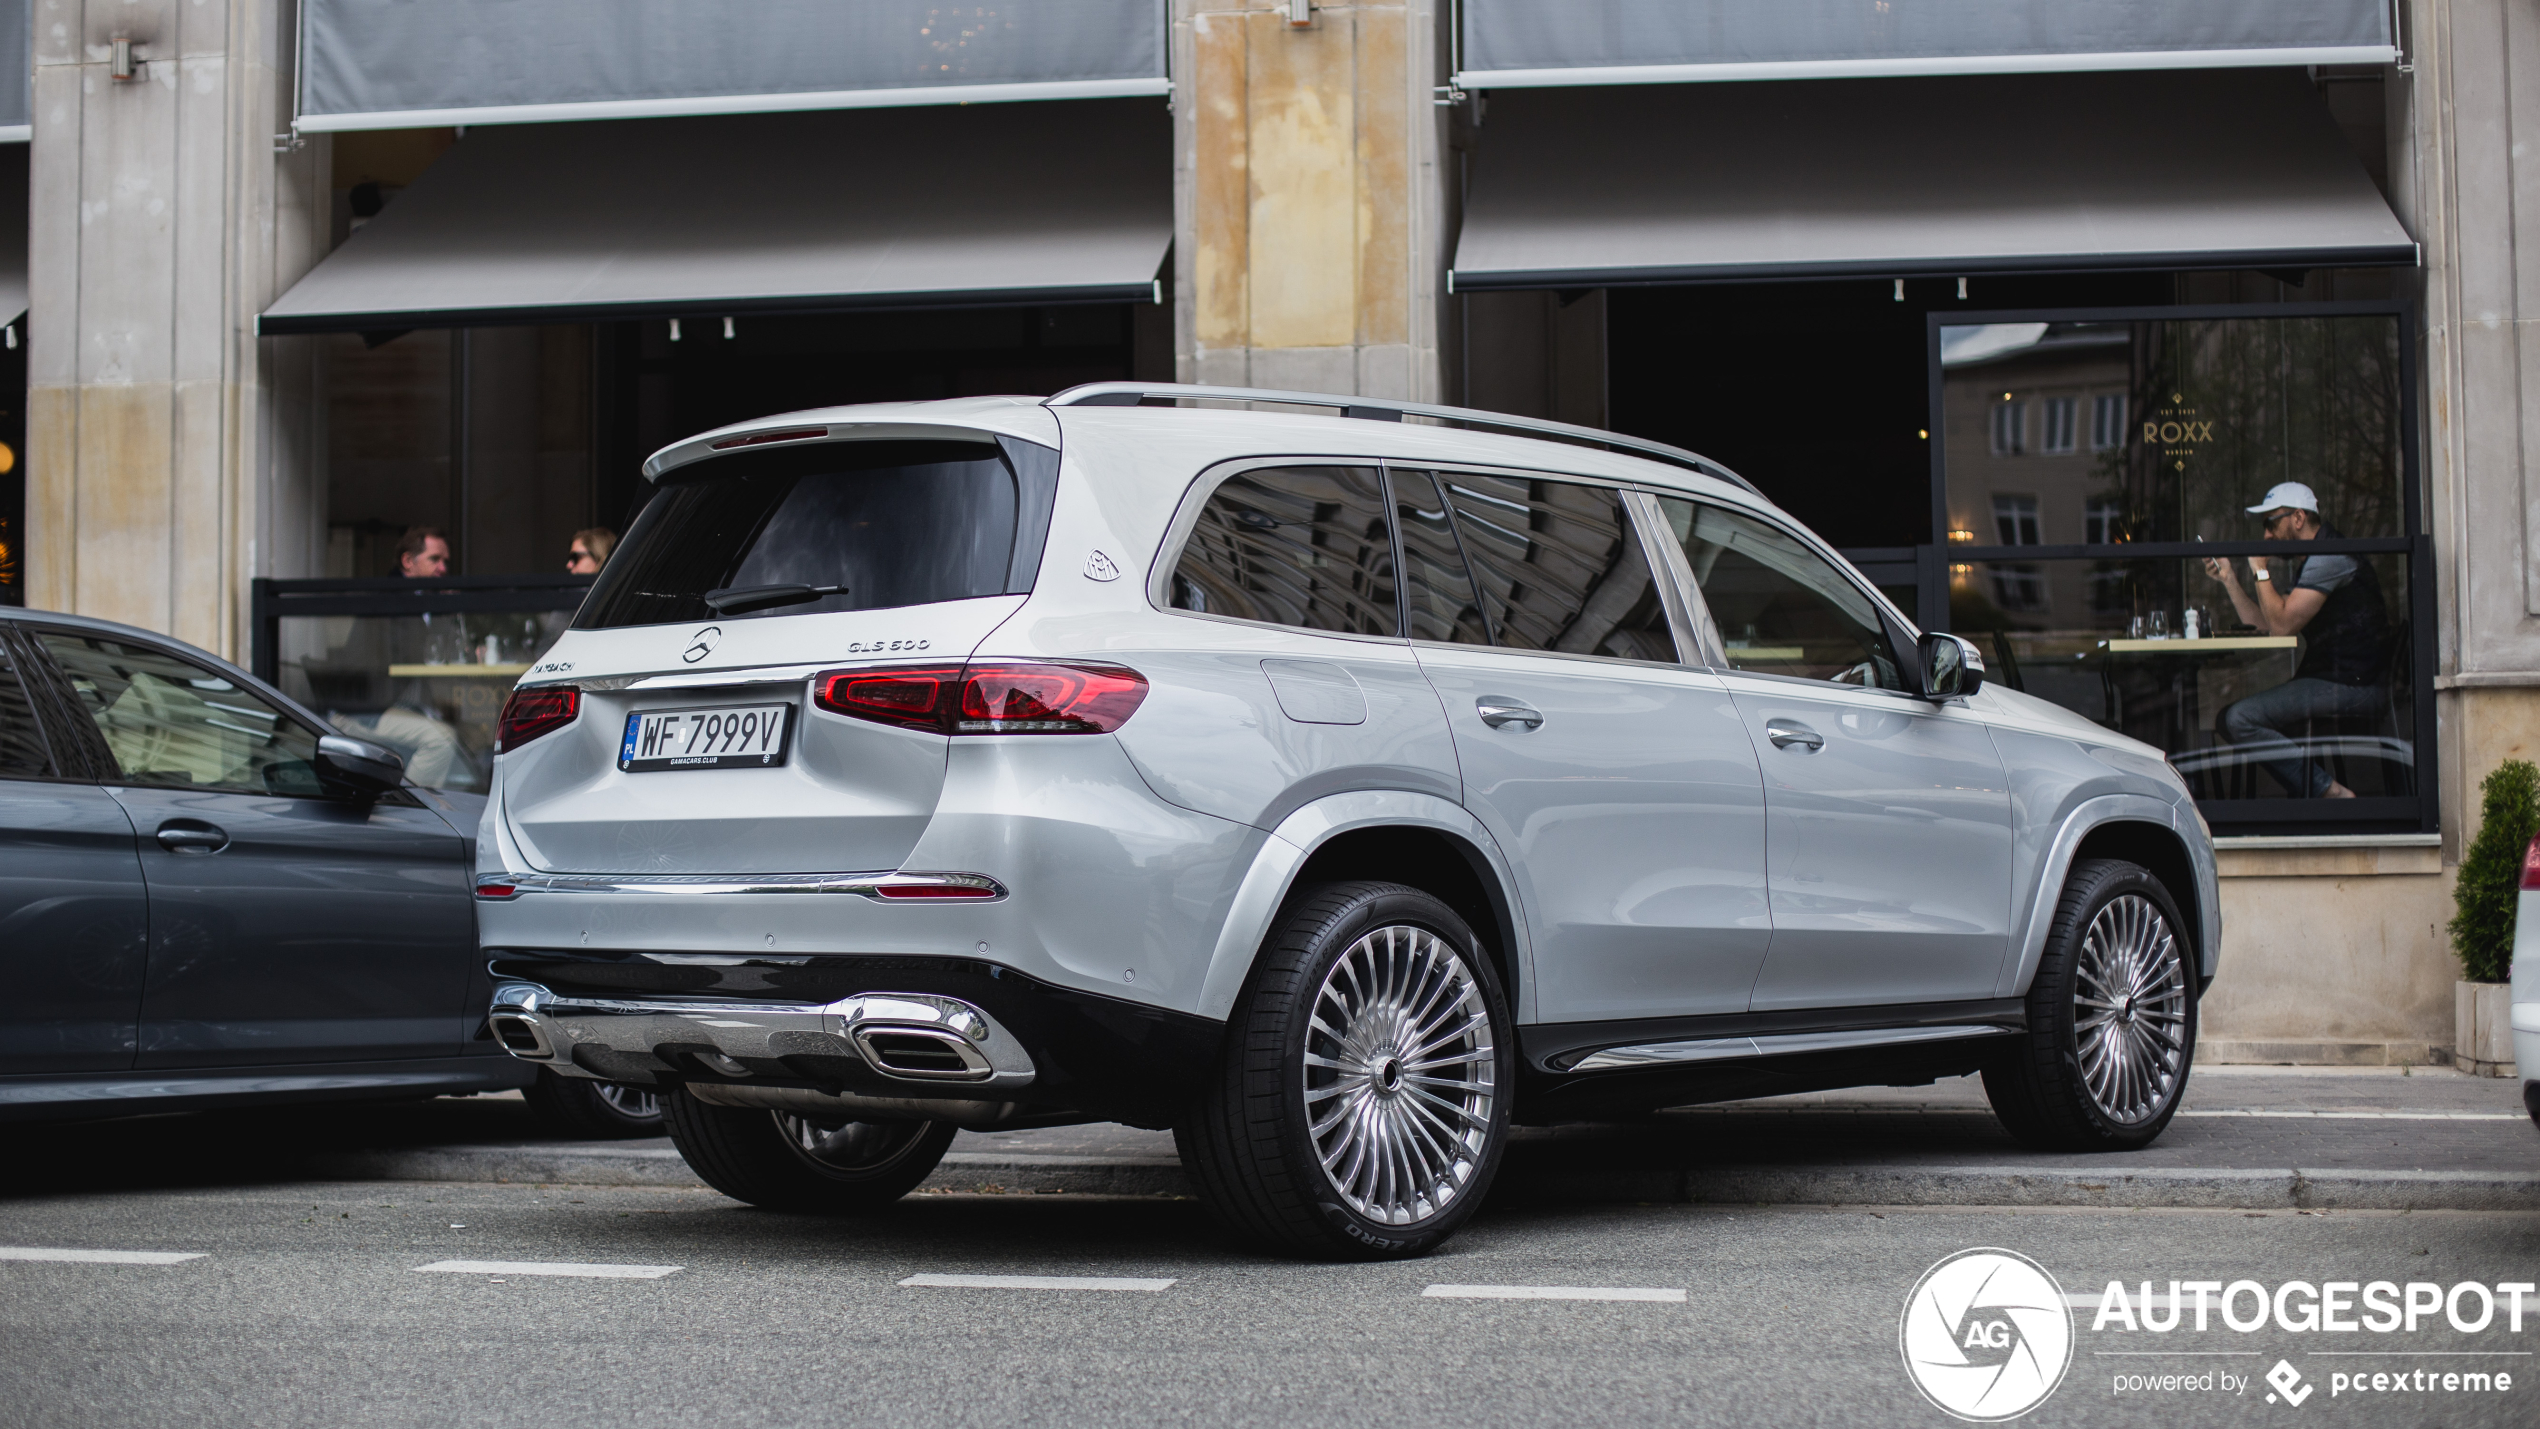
[(207, 897)]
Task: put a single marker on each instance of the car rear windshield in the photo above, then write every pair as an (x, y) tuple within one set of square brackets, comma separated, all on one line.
[(893, 523)]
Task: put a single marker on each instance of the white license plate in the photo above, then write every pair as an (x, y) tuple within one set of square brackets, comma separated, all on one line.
[(717, 737)]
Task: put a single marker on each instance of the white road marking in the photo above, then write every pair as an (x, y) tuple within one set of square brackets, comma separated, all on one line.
[(99, 1257), (1552, 1292), (550, 1267), (1031, 1282)]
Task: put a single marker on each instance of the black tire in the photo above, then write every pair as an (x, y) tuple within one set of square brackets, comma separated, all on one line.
[(2119, 1092), (759, 1156), (580, 1107), (1249, 1141), (2531, 1101)]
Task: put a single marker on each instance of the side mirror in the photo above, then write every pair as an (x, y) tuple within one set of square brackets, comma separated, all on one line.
[(1950, 667), (368, 770)]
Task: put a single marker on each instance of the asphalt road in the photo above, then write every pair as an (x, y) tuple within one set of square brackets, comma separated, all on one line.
[(309, 1305)]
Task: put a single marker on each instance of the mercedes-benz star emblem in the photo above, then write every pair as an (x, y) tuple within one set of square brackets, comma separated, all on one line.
[(702, 644)]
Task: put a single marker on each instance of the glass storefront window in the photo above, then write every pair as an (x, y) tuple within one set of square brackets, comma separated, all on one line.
[(422, 671), (2095, 477), (2242, 713), (2190, 421), (427, 686)]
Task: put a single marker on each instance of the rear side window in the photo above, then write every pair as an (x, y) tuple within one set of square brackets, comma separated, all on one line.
[(22, 754), (869, 525), (1303, 546), (1559, 567)]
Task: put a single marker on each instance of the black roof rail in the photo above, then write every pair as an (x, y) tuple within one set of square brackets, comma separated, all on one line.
[(1385, 409)]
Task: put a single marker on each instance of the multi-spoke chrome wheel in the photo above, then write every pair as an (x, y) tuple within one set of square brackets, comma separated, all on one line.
[(1400, 1075), (2130, 1010)]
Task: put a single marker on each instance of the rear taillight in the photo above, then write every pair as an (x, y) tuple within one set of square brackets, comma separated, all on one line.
[(531, 713), (911, 696), (2531, 865), (999, 698), (496, 888), (1048, 699)]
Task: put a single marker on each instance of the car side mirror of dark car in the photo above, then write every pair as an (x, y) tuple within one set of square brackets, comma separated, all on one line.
[(365, 769), (1950, 668)]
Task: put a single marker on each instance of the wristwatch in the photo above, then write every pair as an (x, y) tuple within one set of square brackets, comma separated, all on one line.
[(2260, 575)]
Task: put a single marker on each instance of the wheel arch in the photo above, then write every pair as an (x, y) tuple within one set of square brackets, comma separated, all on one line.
[(1398, 837), (2160, 836)]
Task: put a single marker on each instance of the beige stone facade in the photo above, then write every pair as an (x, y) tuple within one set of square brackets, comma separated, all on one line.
[(173, 455)]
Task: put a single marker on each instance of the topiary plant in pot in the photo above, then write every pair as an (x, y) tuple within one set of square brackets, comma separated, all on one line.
[(2483, 900)]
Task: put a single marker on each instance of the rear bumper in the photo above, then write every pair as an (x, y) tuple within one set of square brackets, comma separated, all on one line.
[(952, 1033)]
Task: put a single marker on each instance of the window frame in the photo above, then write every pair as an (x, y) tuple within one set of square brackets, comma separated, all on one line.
[(2414, 543)]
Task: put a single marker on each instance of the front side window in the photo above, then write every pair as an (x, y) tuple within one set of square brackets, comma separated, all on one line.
[(175, 724), (1301, 546), (1782, 609), (1559, 567)]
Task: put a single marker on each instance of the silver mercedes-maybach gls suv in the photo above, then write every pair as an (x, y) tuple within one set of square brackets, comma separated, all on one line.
[(1335, 782)]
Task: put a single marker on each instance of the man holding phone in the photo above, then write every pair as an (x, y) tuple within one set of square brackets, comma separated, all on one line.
[(2335, 605)]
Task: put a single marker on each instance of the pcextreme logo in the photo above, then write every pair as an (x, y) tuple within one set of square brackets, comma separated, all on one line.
[(1986, 1335)]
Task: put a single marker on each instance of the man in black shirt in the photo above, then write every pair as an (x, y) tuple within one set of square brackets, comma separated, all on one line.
[(2335, 604)]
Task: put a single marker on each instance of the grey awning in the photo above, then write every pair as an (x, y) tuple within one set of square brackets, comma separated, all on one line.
[(397, 64), (1585, 188), (879, 208), (1512, 43), (17, 71)]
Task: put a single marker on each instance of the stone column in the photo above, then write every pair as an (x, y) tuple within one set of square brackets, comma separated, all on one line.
[(167, 445), (1307, 250), (2464, 126)]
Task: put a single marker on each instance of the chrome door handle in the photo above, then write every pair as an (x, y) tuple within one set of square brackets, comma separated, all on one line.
[(192, 836), (1500, 713), (1786, 732)]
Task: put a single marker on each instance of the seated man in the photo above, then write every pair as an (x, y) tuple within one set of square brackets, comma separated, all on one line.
[(2335, 605)]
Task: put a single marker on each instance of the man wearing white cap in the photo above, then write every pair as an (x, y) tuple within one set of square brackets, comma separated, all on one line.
[(2335, 604)]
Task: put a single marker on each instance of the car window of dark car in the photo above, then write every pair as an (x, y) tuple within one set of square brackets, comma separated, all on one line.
[(1782, 609), (1302, 546), (173, 723), (22, 751)]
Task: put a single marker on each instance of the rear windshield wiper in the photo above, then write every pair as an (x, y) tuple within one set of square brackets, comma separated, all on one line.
[(734, 600)]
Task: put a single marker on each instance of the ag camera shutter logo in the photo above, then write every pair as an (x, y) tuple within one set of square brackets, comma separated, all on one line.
[(1986, 1335)]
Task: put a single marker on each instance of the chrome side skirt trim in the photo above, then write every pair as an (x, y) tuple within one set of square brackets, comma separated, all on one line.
[(1714, 1049), (877, 886)]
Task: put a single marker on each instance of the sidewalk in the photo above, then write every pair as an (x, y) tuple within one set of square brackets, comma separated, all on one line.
[(2258, 1137)]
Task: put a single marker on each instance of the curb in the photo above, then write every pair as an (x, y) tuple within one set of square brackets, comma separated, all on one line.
[(2181, 1188)]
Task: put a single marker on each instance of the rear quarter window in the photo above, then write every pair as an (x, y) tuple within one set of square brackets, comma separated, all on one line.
[(894, 523)]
